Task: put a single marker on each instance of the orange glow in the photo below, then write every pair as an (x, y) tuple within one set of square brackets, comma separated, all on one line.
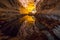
[(29, 19), (26, 9), (29, 8)]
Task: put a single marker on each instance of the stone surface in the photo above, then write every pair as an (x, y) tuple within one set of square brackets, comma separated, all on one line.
[(47, 20)]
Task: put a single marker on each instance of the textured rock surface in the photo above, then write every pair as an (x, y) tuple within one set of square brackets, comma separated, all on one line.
[(48, 6), (46, 26)]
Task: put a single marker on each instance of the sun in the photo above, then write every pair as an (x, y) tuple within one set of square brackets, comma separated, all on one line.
[(27, 8)]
